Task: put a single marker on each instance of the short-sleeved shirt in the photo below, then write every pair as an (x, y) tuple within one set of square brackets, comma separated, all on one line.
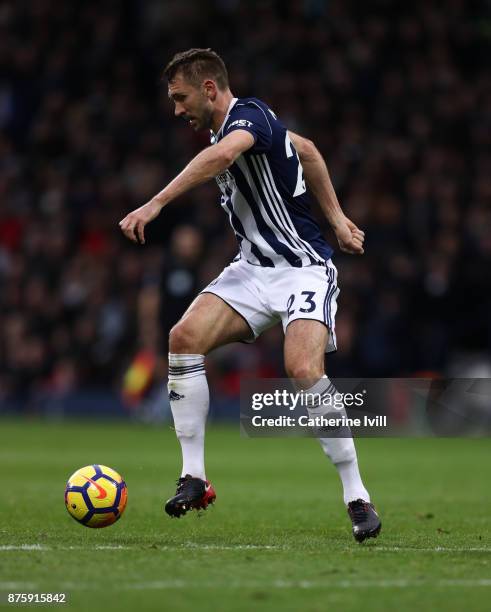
[(264, 194)]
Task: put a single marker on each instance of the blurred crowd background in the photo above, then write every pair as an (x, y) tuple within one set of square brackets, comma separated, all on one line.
[(397, 97)]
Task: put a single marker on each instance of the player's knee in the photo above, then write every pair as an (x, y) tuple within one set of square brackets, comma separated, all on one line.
[(303, 370), (182, 339)]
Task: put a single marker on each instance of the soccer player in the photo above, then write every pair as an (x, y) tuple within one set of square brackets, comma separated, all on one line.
[(283, 271)]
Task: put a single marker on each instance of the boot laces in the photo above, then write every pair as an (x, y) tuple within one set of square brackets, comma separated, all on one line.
[(359, 510), (188, 484)]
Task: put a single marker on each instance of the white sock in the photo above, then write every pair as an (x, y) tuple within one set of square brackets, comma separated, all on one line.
[(189, 400), (341, 451)]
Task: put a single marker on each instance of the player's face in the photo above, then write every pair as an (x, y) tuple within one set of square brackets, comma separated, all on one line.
[(191, 103)]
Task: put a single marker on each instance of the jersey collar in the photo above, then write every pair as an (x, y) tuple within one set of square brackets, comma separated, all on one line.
[(229, 109)]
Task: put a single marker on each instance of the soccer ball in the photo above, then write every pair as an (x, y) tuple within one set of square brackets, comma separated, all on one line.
[(96, 496)]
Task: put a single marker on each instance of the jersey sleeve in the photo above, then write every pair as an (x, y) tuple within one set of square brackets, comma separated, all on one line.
[(253, 119)]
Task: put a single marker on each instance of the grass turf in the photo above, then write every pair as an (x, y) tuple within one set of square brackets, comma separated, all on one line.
[(277, 539)]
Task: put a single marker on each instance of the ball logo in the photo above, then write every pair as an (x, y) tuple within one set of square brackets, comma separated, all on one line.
[(102, 491), (96, 496)]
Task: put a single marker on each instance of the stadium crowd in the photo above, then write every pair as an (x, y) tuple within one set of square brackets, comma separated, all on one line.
[(397, 98)]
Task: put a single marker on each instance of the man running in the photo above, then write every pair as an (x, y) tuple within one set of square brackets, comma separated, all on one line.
[(283, 271)]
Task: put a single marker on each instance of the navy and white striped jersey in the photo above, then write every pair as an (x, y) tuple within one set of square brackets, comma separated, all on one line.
[(263, 193)]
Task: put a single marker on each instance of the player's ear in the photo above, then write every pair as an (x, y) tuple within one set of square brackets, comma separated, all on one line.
[(210, 89)]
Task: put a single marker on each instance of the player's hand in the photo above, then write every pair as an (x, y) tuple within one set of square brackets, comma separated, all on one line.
[(350, 238), (133, 224)]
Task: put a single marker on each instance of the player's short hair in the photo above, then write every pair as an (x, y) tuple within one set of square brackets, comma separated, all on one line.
[(196, 65)]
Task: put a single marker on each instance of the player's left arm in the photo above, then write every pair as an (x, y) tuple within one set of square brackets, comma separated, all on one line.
[(207, 164), (316, 174)]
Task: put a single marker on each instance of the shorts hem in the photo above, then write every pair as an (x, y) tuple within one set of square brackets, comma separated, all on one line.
[(254, 335), (330, 348)]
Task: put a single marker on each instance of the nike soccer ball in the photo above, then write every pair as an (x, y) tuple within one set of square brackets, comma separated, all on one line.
[(96, 496)]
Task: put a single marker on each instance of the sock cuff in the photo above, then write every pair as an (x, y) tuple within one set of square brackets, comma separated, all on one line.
[(323, 385), (178, 359), (321, 404), (186, 366)]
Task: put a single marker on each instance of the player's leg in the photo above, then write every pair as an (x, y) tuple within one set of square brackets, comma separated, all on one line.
[(305, 342), (228, 310), (207, 324)]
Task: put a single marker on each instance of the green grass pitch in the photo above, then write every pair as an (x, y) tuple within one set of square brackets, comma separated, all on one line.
[(278, 537)]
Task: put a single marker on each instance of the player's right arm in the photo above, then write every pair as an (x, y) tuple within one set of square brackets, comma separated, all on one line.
[(207, 164), (349, 236)]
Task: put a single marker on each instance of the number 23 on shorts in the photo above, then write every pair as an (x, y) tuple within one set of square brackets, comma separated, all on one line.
[(306, 301)]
